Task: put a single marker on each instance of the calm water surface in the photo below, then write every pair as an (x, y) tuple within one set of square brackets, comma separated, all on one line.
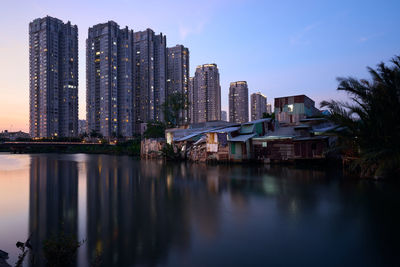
[(151, 213)]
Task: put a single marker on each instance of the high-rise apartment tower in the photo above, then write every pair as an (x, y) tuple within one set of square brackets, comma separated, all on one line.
[(150, 75), (53, 78), (110, 80), (206, 94), (258, 105), (178, 77), (238, 102)]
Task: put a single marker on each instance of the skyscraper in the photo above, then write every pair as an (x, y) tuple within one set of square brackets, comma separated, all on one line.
[(258, 105), (191, 99), (178, 75), (110, 80), (269, 109), (206, 94), (150, 75), (224, 115), (238, 102), (53, 78)]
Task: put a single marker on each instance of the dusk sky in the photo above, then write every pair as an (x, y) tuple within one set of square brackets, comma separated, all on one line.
[(280, 48)]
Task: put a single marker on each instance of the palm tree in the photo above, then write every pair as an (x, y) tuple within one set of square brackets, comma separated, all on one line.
[(369, 125)]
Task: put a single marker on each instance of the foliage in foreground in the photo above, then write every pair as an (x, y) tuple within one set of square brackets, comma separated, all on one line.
[(369, 125), (58, 251), (170, 152)]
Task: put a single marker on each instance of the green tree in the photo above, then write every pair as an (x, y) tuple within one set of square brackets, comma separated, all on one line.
[(173, 107), (95, 134), (155, 129), (369, 125), (266, 115)]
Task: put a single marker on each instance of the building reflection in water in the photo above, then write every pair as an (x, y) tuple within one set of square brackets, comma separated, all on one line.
[(133, 216), (53, 201), (155, 213)]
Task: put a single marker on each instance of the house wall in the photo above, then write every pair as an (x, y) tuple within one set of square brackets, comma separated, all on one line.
[(276, 150), (150, 148), (235, 147), (238, 155), (310, 149)]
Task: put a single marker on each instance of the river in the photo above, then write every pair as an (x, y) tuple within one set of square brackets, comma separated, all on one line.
[(173, 214)]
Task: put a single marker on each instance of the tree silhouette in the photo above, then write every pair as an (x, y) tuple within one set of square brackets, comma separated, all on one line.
[(369, 125)]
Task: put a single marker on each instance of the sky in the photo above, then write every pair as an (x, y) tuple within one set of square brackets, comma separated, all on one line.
[(280, 48)]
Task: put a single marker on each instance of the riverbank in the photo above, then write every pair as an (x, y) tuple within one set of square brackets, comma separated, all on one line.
[(131, 148)]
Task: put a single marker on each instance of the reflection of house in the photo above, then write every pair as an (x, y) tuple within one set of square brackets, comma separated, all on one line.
[(292, 109)]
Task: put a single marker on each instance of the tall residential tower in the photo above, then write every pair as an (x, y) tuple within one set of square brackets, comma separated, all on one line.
[(150, 53), (258, 106), (110, 80), (206, 94), (178, 76), (53, 78), (238, 102)]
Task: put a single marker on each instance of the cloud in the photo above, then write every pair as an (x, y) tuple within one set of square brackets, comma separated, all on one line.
[(364, 39), (186, 29), (299, 37)]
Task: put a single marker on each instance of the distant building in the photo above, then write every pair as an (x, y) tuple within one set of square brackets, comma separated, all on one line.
[(12, 136), (53, 78), (110, 74), (238, 102), (269, 108), (292, 109), (206, 94), (178, 76), (191, 99), (150, 76), (258, 106), (224, 115), (82, 127)]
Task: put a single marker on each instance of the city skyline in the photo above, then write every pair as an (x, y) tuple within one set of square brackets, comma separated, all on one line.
[(297, 47)]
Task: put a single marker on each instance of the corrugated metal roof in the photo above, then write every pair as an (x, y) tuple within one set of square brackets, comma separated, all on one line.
[(257, 121), (247, 128), (242, 138), (302, 126), (274, 137), (202, 139), (310, 138), (325, 129), (225, 130), (187, 137)]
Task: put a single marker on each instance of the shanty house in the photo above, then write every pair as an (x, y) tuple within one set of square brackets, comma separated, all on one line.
[(240, 146), (217, 143)]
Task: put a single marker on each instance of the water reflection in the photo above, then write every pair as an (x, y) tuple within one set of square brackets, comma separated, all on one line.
[(53, 200), (151, 213), (132, 215)]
